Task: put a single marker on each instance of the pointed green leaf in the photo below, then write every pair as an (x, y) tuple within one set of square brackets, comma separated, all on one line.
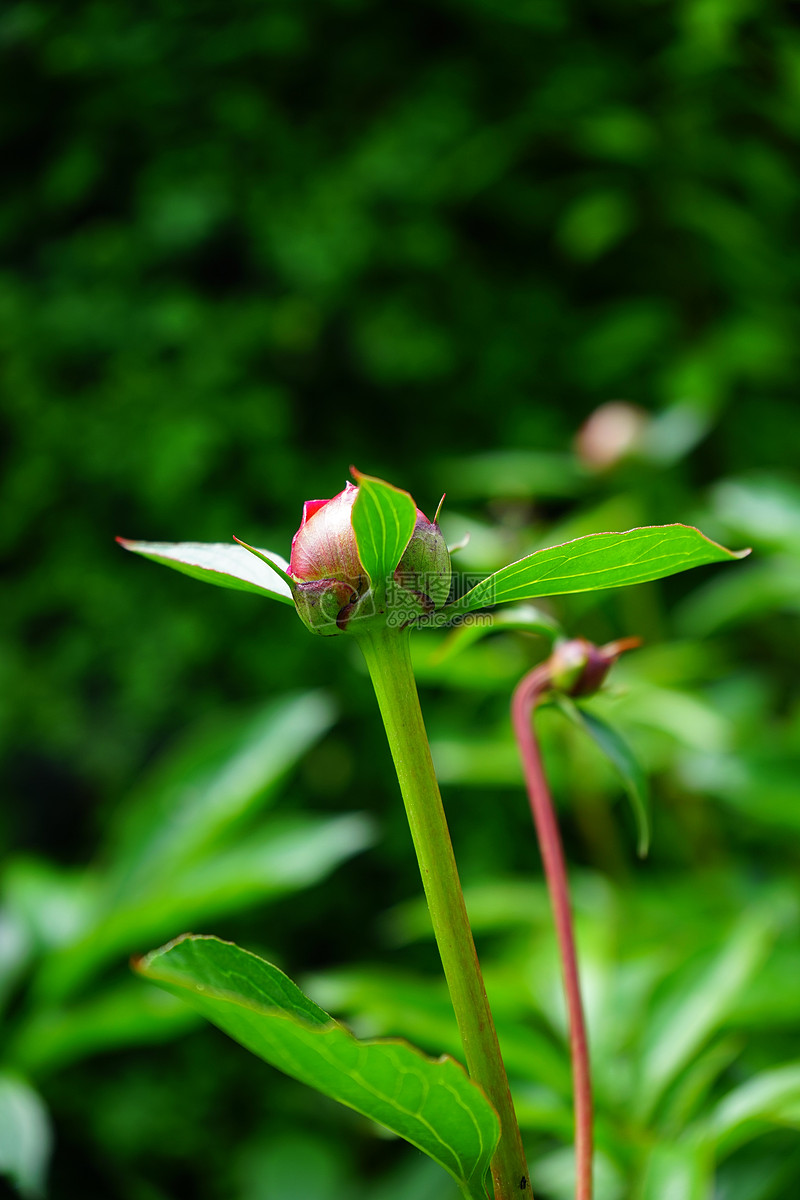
[(118, 1016), (431, 1103), (224, 772), (599, 560), (698, 1002), (620, 755), (216, 562), (286, 855), (771, 1097), (383, 521)]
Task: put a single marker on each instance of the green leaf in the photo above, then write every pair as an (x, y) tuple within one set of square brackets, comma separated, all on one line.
[(216, 562), (118, 1017), (697, 1004), (772, 1097), (286, 856), (17, 945), (415, 1007), (523, 618), (25, 1135), (221, 775), (383, 521), (691, 1093), (620, 755), (684, 1169), (431, 1103), (178, 838), (599, 560)]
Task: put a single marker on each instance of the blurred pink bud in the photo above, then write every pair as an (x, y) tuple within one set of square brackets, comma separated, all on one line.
[(611, 433), (579, 668)]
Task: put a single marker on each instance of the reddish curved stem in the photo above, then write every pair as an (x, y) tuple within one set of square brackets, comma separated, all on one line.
[(526, 697)]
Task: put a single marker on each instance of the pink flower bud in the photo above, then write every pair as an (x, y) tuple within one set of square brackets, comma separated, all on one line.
[(332, 591), (324, 546)]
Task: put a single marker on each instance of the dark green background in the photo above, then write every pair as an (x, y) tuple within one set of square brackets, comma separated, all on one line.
[(245, 245)]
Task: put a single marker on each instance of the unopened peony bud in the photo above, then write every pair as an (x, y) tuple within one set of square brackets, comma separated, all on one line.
[(332, 589), (579, 668), (612, 433), (422, 577)]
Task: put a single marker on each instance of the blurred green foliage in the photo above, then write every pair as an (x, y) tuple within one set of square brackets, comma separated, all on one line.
[(245, 245)]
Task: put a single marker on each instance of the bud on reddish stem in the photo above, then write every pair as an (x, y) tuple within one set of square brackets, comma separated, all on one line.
[(579, 668), (332, 589)]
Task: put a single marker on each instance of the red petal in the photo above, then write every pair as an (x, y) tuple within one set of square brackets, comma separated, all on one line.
[(310, 507)]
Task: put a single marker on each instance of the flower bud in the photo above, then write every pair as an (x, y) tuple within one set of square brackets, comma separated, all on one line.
[(579, 668), (422, 577), (332, 589)]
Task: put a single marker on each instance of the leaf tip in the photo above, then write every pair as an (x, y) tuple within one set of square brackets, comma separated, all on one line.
[(719, 546)]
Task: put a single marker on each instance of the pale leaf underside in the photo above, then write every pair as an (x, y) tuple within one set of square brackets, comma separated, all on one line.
[(225, 564)]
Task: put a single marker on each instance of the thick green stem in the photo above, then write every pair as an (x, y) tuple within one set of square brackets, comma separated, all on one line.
[(389, 662)]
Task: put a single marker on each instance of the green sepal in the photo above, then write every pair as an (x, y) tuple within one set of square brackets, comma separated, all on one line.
[(271, 561), (383, 522)]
